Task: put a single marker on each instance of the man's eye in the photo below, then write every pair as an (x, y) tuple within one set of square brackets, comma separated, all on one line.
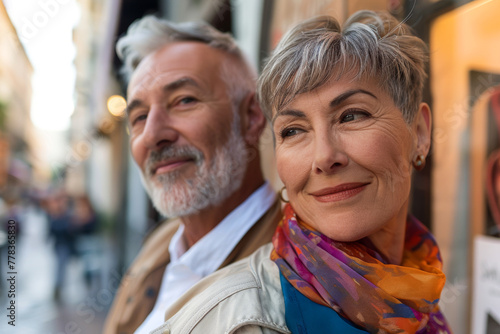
[(139, 119), (187, 100), (353, 115)]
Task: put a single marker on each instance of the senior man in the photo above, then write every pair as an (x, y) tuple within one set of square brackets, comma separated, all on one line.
[(194, 126)]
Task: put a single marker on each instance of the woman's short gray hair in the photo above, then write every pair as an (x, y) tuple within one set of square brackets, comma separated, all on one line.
[(151, 33), (369, 45)]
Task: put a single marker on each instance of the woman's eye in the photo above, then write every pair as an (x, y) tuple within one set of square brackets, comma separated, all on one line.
[(289, 132), (353, 115)]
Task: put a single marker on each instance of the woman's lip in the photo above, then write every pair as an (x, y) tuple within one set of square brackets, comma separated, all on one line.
[(340, 192), (167, 166)]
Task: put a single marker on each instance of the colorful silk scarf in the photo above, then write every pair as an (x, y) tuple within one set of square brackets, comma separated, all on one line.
[(356, 281)]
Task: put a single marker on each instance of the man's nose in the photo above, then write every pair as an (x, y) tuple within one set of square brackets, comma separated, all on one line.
[(158, 130), (329, 154)]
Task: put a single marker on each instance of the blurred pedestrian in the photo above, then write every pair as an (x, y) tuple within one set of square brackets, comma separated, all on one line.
[(62, 231), (85, 226)]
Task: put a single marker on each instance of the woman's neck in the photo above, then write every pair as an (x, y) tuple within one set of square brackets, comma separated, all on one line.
[(389, 241)]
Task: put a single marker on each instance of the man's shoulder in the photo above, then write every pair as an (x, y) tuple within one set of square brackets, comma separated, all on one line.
[(257, 236), (246, 293), (138, 289)]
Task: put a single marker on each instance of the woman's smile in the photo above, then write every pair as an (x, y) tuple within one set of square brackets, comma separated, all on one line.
[(339, 193)]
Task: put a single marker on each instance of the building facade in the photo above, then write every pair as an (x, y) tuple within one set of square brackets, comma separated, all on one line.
[(18, 157)]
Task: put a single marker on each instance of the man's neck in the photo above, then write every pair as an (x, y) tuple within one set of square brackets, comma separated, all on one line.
[(196, 226)]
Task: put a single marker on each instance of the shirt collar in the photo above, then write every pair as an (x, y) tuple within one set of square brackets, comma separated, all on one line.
[(208, 253)]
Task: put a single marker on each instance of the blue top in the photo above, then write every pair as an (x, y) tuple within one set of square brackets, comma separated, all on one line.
[(303, 316)]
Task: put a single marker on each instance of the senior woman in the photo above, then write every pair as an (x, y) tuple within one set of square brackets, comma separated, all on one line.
[(345, 106)]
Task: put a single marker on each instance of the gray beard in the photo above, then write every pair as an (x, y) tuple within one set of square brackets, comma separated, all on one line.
[(175, 196)]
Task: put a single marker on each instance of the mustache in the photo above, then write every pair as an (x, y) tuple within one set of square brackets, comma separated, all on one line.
[(169, 152)]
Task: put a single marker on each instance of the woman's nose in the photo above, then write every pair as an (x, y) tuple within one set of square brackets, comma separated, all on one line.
[(329, 154)]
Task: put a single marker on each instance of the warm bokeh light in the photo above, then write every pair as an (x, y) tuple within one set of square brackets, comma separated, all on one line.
[(107, 125), (117, 105)]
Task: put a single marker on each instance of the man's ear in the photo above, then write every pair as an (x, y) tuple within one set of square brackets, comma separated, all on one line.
[(253, 119), (423, 129)]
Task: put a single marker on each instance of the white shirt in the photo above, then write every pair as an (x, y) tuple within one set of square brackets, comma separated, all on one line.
[(187, 267)]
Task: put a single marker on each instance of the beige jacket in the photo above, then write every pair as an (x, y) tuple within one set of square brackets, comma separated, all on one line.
[(139, 288), (244, 298)]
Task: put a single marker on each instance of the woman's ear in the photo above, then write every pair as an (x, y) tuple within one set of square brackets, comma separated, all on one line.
[(423, 129), (254, 120)]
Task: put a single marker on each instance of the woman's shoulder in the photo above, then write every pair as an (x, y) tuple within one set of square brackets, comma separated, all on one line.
[(245, 296)]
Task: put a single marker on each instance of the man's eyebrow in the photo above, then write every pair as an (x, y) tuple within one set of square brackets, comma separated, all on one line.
[(184, 81), (288, 112), (168, 88), (132, 105), (344, 96)]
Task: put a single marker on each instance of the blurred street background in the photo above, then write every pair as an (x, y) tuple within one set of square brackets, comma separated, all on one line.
[(83, 298), (71, 195)]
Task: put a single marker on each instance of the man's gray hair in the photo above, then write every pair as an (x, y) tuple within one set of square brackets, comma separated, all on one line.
[(369, 45), (151, 33)]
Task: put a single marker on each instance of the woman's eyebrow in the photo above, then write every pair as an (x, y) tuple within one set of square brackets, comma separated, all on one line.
[(288, 112), (335, 102), (344, 96)]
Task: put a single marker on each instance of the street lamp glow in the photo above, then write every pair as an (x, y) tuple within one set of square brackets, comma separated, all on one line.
[(117, 105)]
